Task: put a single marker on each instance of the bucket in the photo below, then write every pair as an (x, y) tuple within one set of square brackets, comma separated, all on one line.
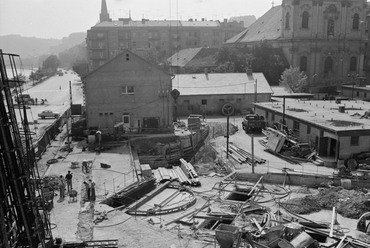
[(346, 183)]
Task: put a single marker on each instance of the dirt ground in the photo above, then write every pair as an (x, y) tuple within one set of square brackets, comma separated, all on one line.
[(134, 231)]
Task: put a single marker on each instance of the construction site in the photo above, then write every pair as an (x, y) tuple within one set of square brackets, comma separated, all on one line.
[(209, 184)]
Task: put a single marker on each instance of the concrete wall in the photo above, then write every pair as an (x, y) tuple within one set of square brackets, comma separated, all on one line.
[(107, 101), (192, 104), (346, 149)]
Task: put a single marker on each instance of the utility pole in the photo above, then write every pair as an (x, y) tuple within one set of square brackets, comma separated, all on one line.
[(69, 114)]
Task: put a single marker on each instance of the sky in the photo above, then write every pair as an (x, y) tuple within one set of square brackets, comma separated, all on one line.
[(59, 18)]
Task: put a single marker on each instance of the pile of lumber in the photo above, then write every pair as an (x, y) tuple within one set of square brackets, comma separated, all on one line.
[(242, 156)]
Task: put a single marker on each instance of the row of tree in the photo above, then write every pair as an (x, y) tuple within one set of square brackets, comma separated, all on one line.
[(49, 67)]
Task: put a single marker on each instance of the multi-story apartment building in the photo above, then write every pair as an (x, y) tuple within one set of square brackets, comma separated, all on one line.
[(107, 38)]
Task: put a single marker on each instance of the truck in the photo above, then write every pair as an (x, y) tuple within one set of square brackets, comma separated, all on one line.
[(48, 114), (24, 98), (253, 123)]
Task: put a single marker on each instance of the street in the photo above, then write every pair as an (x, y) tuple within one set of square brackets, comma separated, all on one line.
[(57, 94)]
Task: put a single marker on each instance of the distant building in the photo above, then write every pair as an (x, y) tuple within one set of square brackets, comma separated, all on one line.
[(247, 20), (206, 94), (130, 93), (165, 37), (336, 129), (192, 59), (326, 39)]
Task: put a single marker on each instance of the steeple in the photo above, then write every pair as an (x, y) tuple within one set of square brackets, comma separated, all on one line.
[(104, 16)]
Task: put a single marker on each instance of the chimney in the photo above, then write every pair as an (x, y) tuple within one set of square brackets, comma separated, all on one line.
[(191, 19), (143, 21), (202, 19), (206, 73), (249, 72), (225, 20)]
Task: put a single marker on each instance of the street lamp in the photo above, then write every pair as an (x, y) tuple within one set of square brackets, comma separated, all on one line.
[(353, 77)]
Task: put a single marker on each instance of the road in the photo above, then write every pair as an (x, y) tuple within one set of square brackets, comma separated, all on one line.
[(56, 91)]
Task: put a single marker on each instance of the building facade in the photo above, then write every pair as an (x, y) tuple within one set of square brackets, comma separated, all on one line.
[(206, 94), (335, 129), (130, 93), (326, 39), (165, 37)]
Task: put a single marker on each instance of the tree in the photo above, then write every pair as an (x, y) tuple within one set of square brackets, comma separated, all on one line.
[(37, 75), (268, 60), (50, 64), (295, 79)]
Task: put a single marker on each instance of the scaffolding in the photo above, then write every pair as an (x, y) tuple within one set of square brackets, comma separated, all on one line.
[(24, 220)]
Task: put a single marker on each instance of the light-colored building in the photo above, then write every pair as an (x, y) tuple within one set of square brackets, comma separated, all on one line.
[(165, 37), (128, 92), (336, 130), (206, 94), (326, 39)]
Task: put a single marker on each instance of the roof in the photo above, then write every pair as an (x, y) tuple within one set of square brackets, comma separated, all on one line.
[(220, 83), (196, 57), (363, 88), (267, 27), (324, 113), (182, 57), (124, 51), (159, 23)]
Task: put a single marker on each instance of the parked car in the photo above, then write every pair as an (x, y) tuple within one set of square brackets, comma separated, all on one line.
[(48, 114)]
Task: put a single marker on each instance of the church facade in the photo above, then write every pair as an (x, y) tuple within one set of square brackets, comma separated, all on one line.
[(326, 39)]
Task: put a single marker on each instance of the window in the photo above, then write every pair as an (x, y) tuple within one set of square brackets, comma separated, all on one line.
[(267, 115), (328, 66), (126, 118), (353, 64), (357, 93), (365, 95), (308, 129), (295, 126), (273, 117), (355, 140), (204, 101), (127, 56), (356, 22), (305, 18), (129, 90), (186, 101), (287, 17), (330, 31), (303, 63)]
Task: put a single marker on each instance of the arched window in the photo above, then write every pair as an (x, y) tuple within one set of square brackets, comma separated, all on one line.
[(328, 66), (305, 18), (303, 63), (356, 22), (330, 30), (353, 64), (287, 17)]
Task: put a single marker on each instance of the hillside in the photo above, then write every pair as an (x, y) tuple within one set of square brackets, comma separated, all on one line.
[(31, 49)]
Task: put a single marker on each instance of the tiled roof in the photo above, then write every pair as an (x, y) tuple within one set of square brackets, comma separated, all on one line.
[(267, 27), (159, 23), (182, 57), (220, 83)]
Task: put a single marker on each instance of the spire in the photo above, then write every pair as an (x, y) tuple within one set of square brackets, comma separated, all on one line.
[(104, 16)]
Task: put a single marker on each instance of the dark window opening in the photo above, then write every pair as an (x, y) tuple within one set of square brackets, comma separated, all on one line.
[(353, 64), (287, 17), (127, 56), (204, 101), (308, 129), (303, 63), (356, 22), (328, 66), (355, 140), (305, 18)]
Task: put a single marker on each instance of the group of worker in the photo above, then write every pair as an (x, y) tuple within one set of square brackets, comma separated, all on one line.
[(67, 181)]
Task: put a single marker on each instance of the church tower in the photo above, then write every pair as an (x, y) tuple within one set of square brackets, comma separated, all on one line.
[(104, 16)]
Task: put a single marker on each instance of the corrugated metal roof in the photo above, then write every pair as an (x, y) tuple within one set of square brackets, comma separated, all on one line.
[(159, 23), (183, 57), (267, 27), (220, 83)]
